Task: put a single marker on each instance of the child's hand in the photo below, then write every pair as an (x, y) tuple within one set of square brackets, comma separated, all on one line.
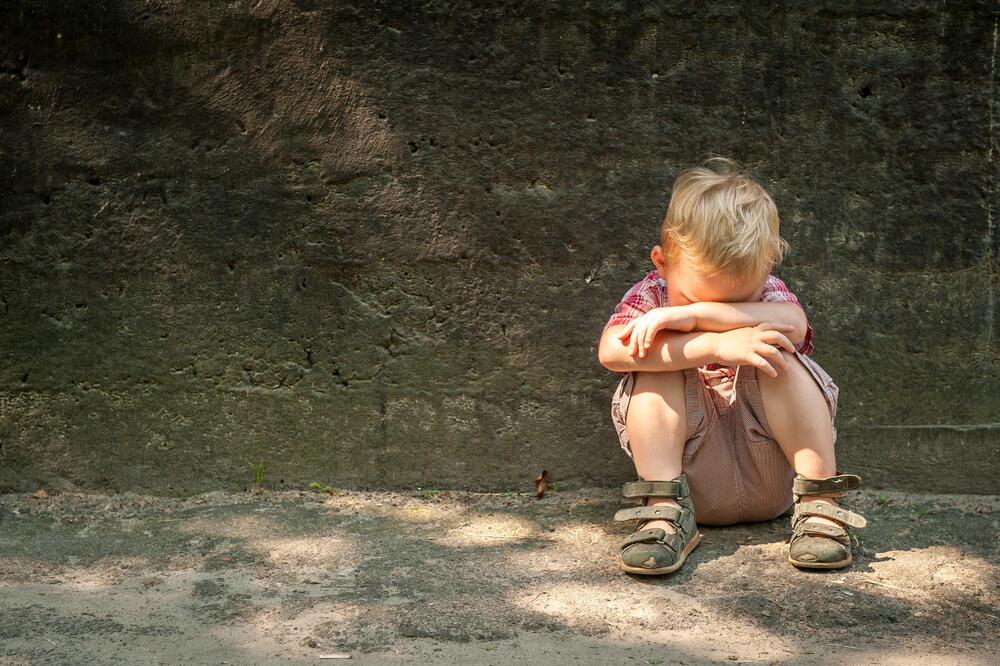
[(759, 346), (638, 334)]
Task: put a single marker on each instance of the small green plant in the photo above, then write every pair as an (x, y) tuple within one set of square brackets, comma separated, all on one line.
[(490, 647), (430, 493), (320, 488), (922, 511), (553, 487), (258, 470), (882, 498)]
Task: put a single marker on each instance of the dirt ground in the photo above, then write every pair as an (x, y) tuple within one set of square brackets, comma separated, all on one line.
[(455, 577)]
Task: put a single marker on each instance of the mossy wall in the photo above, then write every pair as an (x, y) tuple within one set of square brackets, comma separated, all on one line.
[(373, 244)]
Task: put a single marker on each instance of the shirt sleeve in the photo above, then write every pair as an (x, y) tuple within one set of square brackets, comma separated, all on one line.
[(640, 299), (775, 291)]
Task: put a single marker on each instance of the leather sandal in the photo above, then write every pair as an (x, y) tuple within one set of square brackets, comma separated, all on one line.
[(818, 544), (654, 551)]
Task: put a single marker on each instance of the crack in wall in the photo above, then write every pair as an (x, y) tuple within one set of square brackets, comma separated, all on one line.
[(992, 189)]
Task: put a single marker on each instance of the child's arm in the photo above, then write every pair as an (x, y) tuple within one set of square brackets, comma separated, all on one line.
[(759, 346), (638, 334), (719, 317)]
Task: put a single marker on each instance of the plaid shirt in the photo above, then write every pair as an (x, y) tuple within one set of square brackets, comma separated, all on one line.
[(651, 292)]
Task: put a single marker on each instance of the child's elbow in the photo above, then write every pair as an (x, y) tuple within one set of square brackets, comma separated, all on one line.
[(609, 353), (605, 356), (800, 326)]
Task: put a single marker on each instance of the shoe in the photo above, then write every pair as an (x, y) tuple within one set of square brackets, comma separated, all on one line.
[(817, 544), (654, 551)]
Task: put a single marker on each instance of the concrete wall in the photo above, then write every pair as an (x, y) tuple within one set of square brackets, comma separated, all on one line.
[(374, 244)]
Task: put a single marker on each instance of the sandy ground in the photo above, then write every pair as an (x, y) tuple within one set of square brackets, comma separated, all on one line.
[(454, 577)]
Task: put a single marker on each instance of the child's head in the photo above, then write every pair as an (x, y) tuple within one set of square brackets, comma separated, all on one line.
[(723, 225)]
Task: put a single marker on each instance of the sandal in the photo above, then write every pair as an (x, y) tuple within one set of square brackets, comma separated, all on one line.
[(654, 551), (818, 544)]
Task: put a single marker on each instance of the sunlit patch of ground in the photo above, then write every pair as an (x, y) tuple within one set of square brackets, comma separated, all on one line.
[(449, 577)]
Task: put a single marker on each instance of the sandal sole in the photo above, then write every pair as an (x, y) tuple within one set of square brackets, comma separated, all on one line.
[(823, 565), (665, 570)]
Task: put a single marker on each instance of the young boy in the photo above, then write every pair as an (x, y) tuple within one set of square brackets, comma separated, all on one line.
[(720, 407)]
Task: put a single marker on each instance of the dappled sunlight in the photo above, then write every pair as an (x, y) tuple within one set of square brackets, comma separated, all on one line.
[(576, 533), (366, 573), (265, 629), (488, 530), (108, 572), (905, 654), (235, 527), (654, 614), (948, 569), (321, 552), (563, 600), (423, 513), (267, 536), (586, 558), (296, 101)]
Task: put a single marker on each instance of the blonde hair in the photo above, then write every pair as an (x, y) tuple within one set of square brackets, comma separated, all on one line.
[(724, 221)]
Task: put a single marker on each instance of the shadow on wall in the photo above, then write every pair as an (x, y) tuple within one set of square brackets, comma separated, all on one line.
[(200, 130), (206, 199)]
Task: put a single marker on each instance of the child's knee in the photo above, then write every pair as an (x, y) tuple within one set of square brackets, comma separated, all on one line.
[(667, 384), (794, 375), (656, 395)]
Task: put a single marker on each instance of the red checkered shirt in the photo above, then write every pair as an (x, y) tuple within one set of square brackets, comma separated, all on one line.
[(651, 292)]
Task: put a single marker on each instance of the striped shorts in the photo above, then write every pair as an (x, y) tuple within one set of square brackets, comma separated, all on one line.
[(736, 471)]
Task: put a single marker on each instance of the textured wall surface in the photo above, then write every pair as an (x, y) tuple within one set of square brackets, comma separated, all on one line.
[(373, 244)]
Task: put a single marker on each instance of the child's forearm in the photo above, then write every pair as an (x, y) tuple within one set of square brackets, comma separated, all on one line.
[(670, 351), (721, 317)]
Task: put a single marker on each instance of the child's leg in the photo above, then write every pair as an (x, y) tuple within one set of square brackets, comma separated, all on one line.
[(799, 419), (657, 431)]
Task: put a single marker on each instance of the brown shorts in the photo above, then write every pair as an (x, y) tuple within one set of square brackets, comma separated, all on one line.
[(736, 471)]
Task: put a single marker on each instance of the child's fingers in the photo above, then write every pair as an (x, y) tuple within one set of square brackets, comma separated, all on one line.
[(779, 340), (760, 363), (627, 331), (630, 345), (773, 355), (648, 338), (783, 342)]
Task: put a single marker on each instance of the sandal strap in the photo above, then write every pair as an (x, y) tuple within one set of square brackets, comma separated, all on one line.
[(819, 529), (655, 535), (835, 486), (837, 513), (676, 488), (668, 513)]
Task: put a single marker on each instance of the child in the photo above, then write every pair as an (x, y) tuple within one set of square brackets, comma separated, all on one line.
[(720, 407)]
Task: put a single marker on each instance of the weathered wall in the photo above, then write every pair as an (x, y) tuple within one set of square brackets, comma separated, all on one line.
[(374, 244)]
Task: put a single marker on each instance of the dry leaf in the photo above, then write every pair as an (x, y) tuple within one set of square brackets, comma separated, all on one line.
[(542, 483), (41, 494)]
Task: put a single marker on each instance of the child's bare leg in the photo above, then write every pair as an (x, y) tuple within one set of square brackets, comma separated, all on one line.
[(800, 422), (657, 430)]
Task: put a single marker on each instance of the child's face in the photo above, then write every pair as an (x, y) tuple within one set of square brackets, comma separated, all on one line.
[(687, 283)]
